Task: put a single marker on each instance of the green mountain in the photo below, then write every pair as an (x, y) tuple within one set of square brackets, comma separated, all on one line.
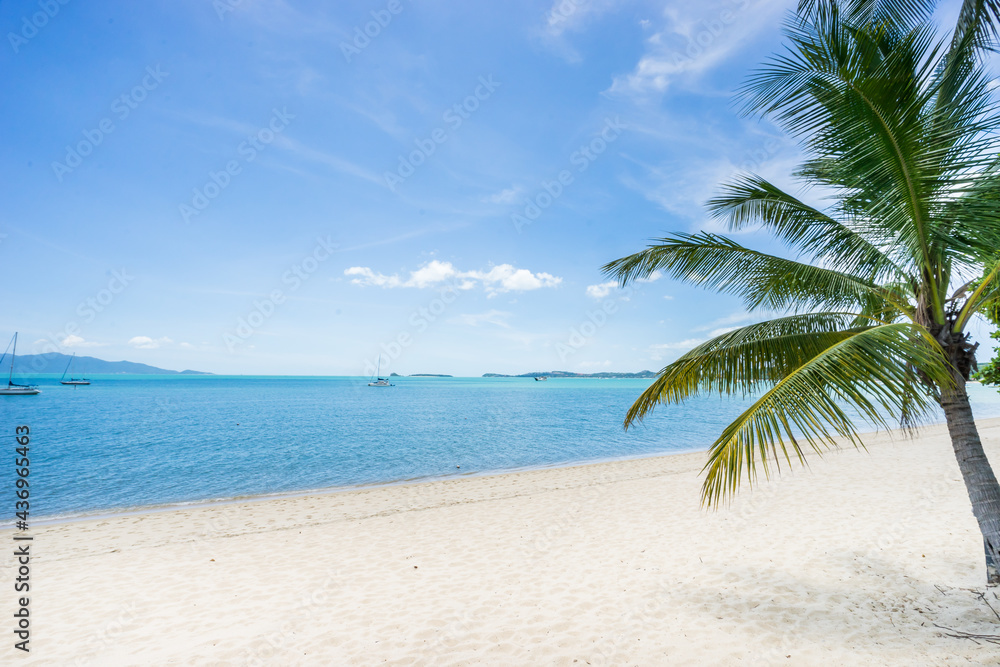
[(54, 362)]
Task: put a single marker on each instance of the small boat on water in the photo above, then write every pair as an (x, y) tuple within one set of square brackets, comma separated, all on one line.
[(379, 381), (12, 388), (541, 378), (72, 380)]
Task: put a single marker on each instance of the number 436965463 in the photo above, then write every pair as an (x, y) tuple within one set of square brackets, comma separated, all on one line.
[(22, 463)]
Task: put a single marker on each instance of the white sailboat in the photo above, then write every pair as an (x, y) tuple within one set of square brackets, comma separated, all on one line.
[(72, 380), (380, 381), (13, 389)]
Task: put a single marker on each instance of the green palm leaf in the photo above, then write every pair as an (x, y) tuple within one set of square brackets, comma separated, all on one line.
[(902, 131), (751, 200), (871, 371), (741, 361), (760, 279)]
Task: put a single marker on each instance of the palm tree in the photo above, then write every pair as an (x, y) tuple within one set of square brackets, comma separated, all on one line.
[(900, 131)]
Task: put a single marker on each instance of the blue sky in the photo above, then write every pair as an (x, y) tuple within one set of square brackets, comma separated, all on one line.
[(259, 186)]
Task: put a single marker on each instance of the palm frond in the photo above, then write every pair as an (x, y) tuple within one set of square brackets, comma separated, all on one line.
[(740, 362), (760, 279), (895, 138), (751, 200), (983, 299), (872, 12), (978, 22), (870, 372)]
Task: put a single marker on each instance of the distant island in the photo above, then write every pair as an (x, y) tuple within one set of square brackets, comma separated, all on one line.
[(54, 362), (642, 375)]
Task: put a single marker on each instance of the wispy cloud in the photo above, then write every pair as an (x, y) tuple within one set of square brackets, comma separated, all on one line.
[(507, 196), (565, 16), (694, 38), (602, 290), (338, 163), (73, 340), (147, 343), (740, 317), (496, 317), (501, 278), (240, 128)]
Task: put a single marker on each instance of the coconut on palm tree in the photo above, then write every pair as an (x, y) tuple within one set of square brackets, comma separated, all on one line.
[(899, 130)]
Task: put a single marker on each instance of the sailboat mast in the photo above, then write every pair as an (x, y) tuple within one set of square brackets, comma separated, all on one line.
[(10, 375), (378, 371), (68, 366)]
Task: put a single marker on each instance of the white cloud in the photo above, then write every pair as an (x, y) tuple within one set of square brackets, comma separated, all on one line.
[(368, 277), (497, 317), (510, 279), (147, 343), (652, 278), (693, 39), (432, 273), (572, 14), (594, 364), (602, 290), (566, 16), (508, 196), (73, 340), (499, 279)]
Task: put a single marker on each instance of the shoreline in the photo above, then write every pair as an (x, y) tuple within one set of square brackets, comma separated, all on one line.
[(606, 563), (59, 519), (111, 513)]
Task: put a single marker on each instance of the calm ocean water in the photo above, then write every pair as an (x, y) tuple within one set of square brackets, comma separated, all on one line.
[(137, 441)]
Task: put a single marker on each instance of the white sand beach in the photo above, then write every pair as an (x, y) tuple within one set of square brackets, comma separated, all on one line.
[(854, 561)]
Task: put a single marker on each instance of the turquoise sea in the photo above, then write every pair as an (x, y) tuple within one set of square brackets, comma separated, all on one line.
[(126, 442)]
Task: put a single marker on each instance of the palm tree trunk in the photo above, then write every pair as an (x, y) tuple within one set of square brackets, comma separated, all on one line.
[(980, 482)]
